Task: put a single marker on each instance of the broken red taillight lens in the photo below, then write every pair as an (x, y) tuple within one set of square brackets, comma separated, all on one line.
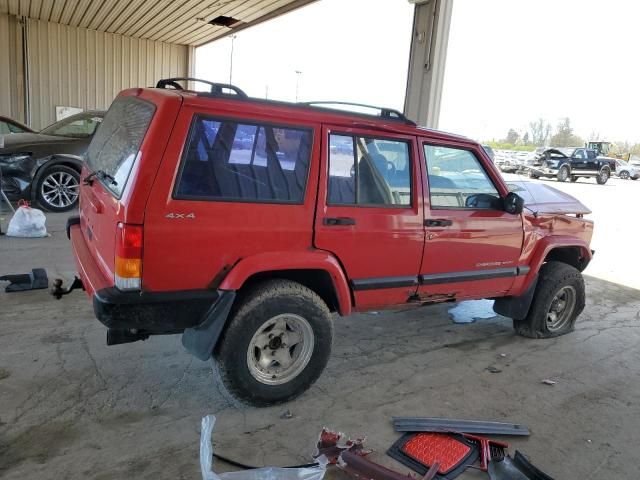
[(128, 261)]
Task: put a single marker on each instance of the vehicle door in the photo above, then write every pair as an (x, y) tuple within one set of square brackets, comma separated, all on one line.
[(593, 164), (472, 245), (579, 161), (369, 214)]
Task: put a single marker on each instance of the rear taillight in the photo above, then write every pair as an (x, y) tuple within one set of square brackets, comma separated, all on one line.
[(128, 271)]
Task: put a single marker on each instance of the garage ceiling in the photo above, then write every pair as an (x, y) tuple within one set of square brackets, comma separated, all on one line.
[(174, 21)]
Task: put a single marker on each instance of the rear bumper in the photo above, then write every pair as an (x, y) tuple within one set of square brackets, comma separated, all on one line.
[(155, 313), (148, 312)]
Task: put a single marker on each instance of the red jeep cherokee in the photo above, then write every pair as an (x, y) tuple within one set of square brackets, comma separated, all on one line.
[(243, 224)]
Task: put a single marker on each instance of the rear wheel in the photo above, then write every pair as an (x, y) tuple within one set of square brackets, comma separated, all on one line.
[(603, 176), (58, 188), (558, 300), (276, 344), (563, 174), (624, 175)]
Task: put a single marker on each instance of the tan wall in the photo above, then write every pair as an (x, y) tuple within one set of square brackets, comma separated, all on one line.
[(11, 102), (76, 67)]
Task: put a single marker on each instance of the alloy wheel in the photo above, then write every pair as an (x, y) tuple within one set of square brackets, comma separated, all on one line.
[(60, 189)]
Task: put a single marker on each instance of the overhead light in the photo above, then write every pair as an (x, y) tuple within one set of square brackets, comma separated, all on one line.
[(228, 22)]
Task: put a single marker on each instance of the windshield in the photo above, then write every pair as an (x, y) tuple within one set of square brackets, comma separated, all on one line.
[(76, 126), (115, 146)]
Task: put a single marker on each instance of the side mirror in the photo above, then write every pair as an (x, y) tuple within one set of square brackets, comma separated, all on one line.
[(513, 203)]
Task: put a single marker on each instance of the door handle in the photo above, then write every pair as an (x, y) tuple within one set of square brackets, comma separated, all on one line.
[(440, 222), (332, 221)]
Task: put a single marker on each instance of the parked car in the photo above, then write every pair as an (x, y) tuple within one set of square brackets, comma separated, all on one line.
[(626, 170), (45, 167), (185, 232), (572, 164), (8, 126)]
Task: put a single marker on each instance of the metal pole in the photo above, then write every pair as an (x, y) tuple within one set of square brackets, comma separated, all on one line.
[(298, 72), (233, 37)]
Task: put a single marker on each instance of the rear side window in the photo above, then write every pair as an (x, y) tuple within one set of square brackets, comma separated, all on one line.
[(114, 148), (368, 171), (244, 161)]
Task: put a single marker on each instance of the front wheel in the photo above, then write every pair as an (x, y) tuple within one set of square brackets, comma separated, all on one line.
[(558, 300), (603, 176), (624, 175), (276, 344), (563, 174)]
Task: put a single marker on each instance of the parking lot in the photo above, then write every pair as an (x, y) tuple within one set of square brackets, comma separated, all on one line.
[(74, 408)]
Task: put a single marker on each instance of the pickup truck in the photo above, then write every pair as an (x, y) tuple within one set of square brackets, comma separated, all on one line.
[(572, 164)]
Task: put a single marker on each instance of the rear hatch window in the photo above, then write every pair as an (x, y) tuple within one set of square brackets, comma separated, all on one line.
[(114, 148)]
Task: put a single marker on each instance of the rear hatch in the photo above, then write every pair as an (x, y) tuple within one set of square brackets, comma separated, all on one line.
[(122, 160)]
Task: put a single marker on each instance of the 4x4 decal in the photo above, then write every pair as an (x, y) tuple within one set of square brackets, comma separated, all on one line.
[(174, 216)]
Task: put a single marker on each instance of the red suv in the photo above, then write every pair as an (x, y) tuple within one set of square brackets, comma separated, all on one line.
[(243, 224)]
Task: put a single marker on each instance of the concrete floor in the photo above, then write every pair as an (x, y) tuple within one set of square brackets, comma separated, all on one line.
[(71, 407)]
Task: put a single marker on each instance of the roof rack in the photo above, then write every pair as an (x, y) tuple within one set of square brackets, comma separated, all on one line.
[(384, 111), (216, 88)]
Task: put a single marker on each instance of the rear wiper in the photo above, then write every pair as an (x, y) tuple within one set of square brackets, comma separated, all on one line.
[(102, 175)]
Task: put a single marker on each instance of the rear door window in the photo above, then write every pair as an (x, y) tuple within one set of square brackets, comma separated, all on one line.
[(244, 161), (369, 171), (115, 146)]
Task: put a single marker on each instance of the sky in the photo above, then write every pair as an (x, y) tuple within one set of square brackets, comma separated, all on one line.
[(509, 62)]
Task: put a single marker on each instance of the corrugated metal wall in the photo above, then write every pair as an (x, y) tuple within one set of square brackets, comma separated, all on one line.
[(11, 101), (76, 67)]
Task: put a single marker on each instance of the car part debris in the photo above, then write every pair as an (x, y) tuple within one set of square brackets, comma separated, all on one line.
[(36, 280), (548, 381), (332, 444), (489, 449), (266, 473), (431, 424), (57, 290), (421, 451), (516, 468), (362, 469), (493, 369), (286, 415)]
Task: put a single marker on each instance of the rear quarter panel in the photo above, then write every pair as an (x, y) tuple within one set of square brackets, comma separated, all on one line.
[(195, 251)]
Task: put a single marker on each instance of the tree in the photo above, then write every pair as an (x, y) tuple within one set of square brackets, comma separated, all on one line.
[(512, 137), (525, 139), (540, 132), (564, 136)]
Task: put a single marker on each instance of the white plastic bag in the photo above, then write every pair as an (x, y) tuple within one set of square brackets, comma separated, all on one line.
[(27, 222), (266, 473)]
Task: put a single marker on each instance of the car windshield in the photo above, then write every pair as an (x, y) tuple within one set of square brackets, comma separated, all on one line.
[(76, 126)]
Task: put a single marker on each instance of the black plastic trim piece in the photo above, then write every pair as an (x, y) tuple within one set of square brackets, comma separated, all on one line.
[(71, 221), (452, 277), (376, 283), (516, 308), (153, 312), (383, 282), (201, 340)]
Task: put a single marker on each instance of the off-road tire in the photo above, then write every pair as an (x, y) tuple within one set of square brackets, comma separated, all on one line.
[(603, 176), (261, 303), (552, 278), (563, 174), (67, 172)]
